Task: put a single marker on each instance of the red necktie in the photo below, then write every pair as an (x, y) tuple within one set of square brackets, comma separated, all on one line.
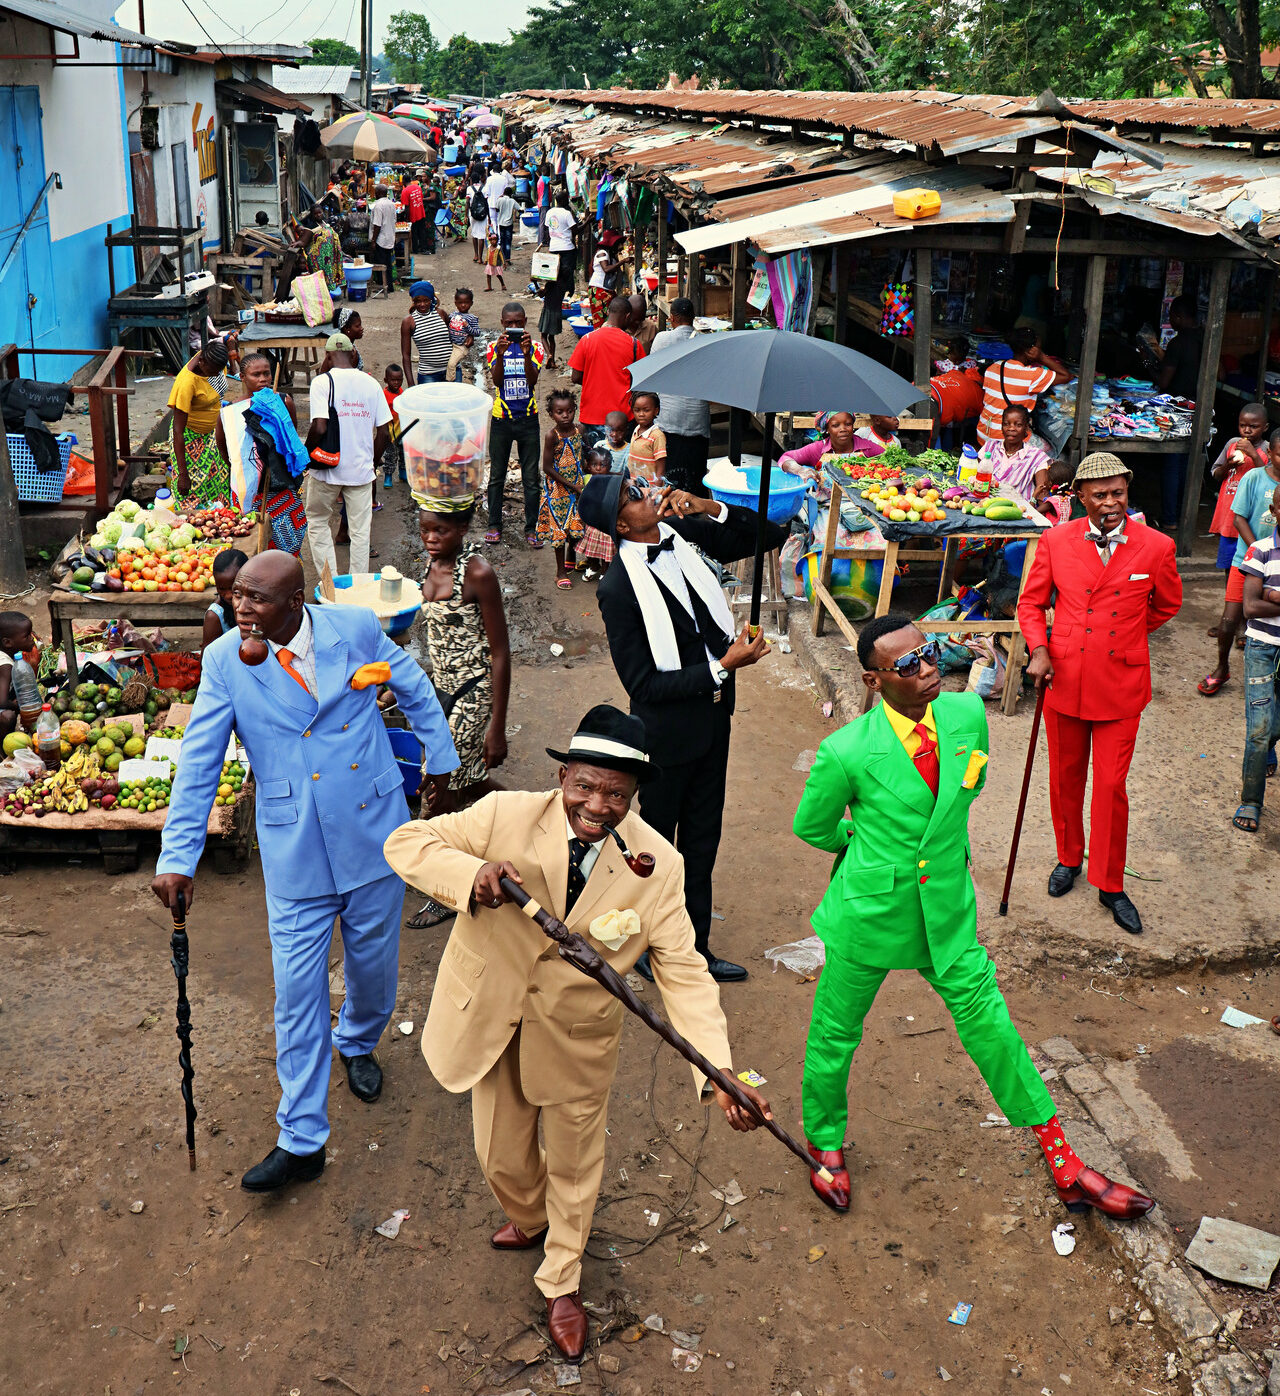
[(286, 663), (926, 758)]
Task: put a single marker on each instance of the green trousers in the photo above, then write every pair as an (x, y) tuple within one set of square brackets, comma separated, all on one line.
[(846, 991)]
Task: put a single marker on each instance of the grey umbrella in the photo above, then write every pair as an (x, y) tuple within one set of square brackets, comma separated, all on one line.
[(774, 371)]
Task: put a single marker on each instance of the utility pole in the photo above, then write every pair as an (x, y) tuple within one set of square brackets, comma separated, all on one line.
[(366, 48)]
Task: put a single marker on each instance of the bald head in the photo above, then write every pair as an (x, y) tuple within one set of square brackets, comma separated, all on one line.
[(268, 594), (276, 571)]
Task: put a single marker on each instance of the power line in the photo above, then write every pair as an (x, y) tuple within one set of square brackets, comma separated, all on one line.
[(270, 14), (298, 20)]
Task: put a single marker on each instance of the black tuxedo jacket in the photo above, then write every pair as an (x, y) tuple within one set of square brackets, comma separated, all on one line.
[(679, 708)]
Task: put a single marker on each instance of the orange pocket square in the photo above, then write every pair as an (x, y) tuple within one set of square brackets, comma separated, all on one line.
[(369, 674)]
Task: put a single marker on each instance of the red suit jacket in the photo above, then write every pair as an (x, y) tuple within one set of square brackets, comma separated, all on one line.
[(1102, 617)]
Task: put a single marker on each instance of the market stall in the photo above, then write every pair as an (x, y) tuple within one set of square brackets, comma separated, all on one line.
[(930, 535)]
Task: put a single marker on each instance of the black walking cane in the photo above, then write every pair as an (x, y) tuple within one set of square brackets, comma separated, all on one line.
[(181, 953), (1022, 799), (581, 956)]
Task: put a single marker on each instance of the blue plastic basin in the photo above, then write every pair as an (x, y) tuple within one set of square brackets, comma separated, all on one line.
[(393, 625), (785, 493)]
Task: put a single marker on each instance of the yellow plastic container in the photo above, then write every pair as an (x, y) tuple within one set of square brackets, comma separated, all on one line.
[(916, 203)]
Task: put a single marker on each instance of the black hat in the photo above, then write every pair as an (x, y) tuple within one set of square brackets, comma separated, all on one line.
[(600, 501), (610, 738)]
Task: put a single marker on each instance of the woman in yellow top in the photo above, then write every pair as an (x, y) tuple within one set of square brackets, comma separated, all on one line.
[(197, 472)]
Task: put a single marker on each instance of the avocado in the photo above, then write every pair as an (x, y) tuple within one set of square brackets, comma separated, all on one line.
[(82, 576)]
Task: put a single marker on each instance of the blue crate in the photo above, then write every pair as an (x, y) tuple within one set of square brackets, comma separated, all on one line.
[(33, 486)]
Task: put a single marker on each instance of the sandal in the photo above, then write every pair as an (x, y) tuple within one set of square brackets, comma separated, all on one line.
[(1208, 685), (431, 914), (533, 541), (493, 535), (563, 583), (1247, 823)]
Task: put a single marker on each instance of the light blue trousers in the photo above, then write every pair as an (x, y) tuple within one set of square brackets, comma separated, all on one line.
[(301, 932)]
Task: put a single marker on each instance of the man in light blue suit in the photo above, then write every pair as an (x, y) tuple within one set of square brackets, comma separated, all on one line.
[(328, 795)]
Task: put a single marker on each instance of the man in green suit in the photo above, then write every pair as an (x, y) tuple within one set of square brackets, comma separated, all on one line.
[(901, 898)]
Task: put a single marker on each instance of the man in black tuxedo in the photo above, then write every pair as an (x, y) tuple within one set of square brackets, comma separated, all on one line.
[(670, 633)]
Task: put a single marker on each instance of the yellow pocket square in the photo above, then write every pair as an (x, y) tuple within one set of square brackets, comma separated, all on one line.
[(977, 760), (614, 927), (369, 674)]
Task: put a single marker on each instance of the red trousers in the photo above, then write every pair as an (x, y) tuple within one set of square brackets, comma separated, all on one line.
[(1069, 742)]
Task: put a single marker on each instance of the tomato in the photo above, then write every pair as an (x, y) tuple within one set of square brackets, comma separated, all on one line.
[(198, 584), (148, 574)]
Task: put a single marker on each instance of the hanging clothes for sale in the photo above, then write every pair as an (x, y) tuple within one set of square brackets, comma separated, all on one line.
[(791, 290)]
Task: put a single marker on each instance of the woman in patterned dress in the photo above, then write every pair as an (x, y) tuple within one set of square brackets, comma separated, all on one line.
[(198, 475), (470, 656), (563, 478)]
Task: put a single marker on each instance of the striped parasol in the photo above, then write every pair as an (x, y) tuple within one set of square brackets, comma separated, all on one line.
[(416, 110), (372, 136)]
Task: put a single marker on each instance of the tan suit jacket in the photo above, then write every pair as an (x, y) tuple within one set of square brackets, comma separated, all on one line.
[(500, 972)]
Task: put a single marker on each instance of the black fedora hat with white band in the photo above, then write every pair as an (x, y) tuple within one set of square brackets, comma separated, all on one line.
[(610, 738)]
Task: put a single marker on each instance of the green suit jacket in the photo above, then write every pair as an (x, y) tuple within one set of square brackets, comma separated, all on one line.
[(900, 895)]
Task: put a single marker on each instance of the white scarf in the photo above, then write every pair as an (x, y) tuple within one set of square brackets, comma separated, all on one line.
[(659, 630)]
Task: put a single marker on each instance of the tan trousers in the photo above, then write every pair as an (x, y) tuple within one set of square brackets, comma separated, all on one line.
[(323, 502), (456, 356), (555, 1186)]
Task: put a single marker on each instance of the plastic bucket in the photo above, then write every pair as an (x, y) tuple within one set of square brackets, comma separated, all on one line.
[(447, 437), (356, 275), (392, 625), (408, 753), (786, 493)]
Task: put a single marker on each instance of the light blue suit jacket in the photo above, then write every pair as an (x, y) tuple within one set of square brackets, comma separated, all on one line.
[(329, 791)]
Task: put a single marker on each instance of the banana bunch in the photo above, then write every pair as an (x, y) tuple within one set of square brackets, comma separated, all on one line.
[(62, 789), (83, 764)]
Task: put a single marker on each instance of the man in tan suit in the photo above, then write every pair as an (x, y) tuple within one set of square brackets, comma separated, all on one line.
[(526, 1033)]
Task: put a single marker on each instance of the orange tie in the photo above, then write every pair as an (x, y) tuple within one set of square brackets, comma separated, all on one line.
[(926, 757), (286, 663)]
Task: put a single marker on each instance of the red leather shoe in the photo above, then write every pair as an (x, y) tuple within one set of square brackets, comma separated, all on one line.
[(1094, 1189), (509, 1237), (567, 1324), (836, 1193)]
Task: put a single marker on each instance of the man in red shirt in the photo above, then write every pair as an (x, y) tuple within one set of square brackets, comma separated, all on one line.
[(599, 362), (1115, 581)]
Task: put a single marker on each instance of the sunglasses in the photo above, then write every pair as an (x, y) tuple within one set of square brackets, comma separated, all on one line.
[(907, 666)]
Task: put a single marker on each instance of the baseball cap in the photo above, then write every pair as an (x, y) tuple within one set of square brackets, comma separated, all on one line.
[(340, 342)]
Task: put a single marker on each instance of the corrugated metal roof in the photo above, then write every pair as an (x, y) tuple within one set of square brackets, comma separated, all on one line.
[(937, 121), (329, 79), (72, 21), (261, 94), (1258, 117)]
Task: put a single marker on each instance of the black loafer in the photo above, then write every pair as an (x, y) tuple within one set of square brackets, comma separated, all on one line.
[(364, 1076), (281, 1168), (643, 969), (725, 971), (1123, 911), (1062, 879)]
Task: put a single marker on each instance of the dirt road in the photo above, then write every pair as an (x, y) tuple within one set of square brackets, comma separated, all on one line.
[(206, 1289)]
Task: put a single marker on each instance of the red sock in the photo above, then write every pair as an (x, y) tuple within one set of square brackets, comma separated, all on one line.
[(1058, 1154)]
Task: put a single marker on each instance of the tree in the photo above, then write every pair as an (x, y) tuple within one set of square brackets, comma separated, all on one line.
[(411, 48), (333, 51), (1242, 29), (462, 66)]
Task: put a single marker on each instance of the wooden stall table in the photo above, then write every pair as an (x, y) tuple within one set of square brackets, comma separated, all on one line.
[(1026, 530), (300, 347)]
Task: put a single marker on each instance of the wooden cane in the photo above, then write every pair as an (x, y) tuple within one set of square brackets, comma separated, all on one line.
[(180, 951), (1022, 799), (578, 953)]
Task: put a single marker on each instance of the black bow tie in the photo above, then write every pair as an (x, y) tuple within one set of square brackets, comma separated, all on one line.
[(666, 546)]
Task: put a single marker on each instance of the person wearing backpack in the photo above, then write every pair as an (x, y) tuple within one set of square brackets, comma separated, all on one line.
[(477, 212)]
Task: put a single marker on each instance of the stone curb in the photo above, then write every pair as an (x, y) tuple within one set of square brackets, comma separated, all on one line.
[(1177, 1297)]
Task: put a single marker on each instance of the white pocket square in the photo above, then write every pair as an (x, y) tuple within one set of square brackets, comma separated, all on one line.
[(1139, 576), (612, 928)]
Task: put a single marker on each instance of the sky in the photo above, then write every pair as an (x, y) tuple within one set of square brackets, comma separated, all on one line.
[(296, 21)]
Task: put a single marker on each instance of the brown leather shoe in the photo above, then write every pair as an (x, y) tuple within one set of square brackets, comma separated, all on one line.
[(509, 1237), (567, 1324), (837, 1192), (1094, 1189)]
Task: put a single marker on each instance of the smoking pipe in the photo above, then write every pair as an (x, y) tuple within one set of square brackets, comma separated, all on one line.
[(642, 864), (253, 648)]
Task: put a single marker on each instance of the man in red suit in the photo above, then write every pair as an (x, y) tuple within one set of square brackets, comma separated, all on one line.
[(1115, 581)]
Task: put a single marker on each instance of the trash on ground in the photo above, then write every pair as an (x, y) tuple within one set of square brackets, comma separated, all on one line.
[(828, 708), (653, 1218), (700, 1248), (635, 1332), (684, 1361), (391, 1227), (1063, 1241), (1230, 1251), (960, 1314), (136, 1207), (751, 1077), (801, 956), (607, 1362), (568, 1374), (944, 1374), (731, 1194), (729, 1220), (816, 1253), (685, 1340), (557, 650), (406, 1027), (804, 762), (994, 1121), (1236, 1018), (655, 1324)]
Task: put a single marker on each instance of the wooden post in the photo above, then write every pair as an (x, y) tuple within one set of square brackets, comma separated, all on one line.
[(13, 562), (844, 268), (662, 259), (923, 356), (1206, 391), (1268, 312), (1094, 283), (695, 281), (739, 266)]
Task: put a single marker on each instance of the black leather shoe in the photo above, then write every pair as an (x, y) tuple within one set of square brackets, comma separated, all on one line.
[(642, 967), (280, 1168), (1123, 911), (1062, 879), (725, 971), (364, 1076)]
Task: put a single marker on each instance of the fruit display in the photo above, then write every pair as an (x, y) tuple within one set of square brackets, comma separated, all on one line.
[(173, 734), (220, 523), (189, 568), (908, 489), (68, 790), (146, 795), (229, 783)]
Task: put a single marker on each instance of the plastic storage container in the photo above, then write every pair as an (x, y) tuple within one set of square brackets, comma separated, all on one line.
[(446, 438), (916, 203), (408, 754), (786, 493), (392, 625), (34, 485)]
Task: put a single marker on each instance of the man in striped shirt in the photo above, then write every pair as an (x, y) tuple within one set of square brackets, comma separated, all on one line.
[(1019, 380), (1261, 569)]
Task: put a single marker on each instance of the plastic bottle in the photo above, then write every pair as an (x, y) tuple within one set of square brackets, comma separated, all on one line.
[(48, 738), (982, 477), (27, 691), (968, 464)]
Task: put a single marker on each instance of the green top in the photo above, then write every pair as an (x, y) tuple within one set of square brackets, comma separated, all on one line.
[(900, 895)]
